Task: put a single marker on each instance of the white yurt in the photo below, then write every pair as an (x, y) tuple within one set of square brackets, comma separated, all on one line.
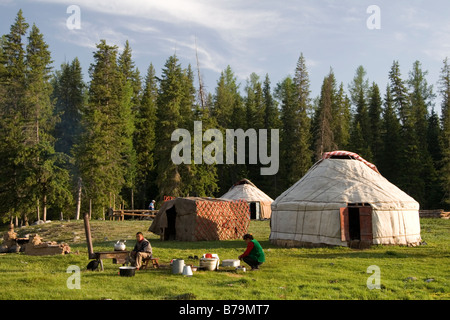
[(259, 202), (343, 200)]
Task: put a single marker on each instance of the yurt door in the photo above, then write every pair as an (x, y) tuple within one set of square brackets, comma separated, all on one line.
[(254, 210), (356, 224)]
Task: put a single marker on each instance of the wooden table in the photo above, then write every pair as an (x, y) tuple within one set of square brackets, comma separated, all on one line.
[(118, 257)]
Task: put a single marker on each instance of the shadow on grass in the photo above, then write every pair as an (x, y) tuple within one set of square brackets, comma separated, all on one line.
[(371, 253)]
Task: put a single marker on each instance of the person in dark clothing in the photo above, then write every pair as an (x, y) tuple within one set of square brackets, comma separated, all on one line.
[(254, 255), (142, 250)]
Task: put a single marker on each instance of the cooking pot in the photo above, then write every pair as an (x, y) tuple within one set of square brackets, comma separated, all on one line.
[(120, 245), (127, 271)]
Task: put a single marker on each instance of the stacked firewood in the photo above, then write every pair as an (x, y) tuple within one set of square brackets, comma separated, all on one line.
[(36, 247)]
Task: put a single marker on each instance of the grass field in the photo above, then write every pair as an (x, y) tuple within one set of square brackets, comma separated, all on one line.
[(289, 273)]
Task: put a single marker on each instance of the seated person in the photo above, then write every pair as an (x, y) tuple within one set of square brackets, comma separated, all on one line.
[(142, 250), (254, 255)]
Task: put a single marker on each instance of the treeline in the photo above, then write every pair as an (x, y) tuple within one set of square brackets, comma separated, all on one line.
[(69, 146)]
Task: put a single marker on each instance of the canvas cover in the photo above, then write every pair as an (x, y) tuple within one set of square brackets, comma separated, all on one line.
[(309, 211), (203, 219), (246, 190)]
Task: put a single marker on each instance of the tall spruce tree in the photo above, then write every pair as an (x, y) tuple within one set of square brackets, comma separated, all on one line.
[(422, 97), (434, 188), (359, 87), (360, 136), (14, 173), (130, 97), (388, 165), (100, 154), (408, 155), (169, 117), (269, 184), (302, 108), (374, 114), (255, 118), (295, 154), (228, 109), (33, 175), (53, 187), (69, 94), (145, 140), (342, 119), (204, 179), (444, 90), (323, 118)]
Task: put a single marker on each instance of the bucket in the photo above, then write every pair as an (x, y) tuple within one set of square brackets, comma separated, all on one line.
[(187, 271), (177, 266), (209, 264), (127, 271)]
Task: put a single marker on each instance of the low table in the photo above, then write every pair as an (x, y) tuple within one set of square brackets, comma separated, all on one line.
[(119, 257)]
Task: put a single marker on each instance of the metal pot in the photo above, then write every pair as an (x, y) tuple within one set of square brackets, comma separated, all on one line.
[(127, 271), (120, 245)]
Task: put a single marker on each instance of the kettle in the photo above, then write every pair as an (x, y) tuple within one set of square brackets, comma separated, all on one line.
[(120, 245)]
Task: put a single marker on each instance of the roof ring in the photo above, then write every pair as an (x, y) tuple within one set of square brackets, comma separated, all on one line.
[(341, 154)]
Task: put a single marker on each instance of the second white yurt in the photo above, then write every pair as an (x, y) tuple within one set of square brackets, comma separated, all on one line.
[(259, 202)]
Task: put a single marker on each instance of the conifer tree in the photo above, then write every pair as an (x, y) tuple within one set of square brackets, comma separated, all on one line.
[(255, 116), (408, 154), (359, 87), (374, 114), (322, 128), (444, 90), (129, 93), (302, 108), (295, 154), (433, 186), (342, 119), (228, 109), (170, 94), (360, 137), (14, 172), (204, 176), (388, 165), (100, 155), (421, 97), (145, 140), (69, 94), (270, 184), (271, 114)]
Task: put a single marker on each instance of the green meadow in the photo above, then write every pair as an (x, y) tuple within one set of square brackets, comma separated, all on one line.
[(337, 273)]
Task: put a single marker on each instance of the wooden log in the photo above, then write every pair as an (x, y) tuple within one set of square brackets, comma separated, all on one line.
[(87, 229)]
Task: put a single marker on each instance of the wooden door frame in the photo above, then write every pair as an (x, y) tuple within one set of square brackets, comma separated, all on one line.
[(365, 223)]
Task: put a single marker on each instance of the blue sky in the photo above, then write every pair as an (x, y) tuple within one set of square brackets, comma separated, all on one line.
[(250, 36)]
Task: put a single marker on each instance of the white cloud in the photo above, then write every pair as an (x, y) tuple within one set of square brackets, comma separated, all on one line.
[(226, 29), (90, 35)]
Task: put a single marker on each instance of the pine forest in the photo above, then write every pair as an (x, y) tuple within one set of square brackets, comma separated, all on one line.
[(68, 145)]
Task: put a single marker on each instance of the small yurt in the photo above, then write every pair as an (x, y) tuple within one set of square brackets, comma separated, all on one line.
[(197, 219), (343, 200), (259, 202)]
